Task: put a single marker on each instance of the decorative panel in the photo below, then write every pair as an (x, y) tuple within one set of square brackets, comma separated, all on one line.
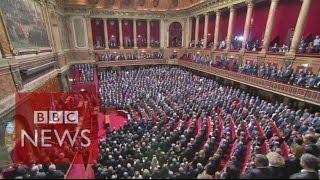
[(64, 32), (79, 32), (25, 23)]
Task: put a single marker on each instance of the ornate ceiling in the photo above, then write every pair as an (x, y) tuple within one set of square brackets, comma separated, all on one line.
[(153, 5)]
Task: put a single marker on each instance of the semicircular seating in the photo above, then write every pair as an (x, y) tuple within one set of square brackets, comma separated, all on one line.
[(178, 130)]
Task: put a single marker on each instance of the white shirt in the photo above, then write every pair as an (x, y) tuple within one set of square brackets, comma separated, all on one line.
[(316, 42)]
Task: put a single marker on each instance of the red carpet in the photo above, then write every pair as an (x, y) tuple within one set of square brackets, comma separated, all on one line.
[(78, 171), (94, 149), (101, 123), (117, 120)]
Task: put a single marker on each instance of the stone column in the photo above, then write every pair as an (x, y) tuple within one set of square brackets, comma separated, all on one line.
[(188, 32), (89, 33), (148, 33), (4, 40), (217, 29), (247, 25), (135, 34), (120, 34), (106, 38), (162, 33), (196, 36), (269, 26), (205, 34), (301, 23), (182, 37), (167, 38), (230, 28)]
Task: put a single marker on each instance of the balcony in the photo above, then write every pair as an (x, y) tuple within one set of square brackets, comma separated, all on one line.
[(294, 92), (102, 64)]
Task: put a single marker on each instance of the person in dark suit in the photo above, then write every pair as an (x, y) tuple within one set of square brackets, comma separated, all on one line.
[(232, 172), (310, 165), (292, 165), (54, 173), (276, 165), (261, 170)]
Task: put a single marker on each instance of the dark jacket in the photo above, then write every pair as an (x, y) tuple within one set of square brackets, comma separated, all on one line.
[(258, 173), (277, 172), (305, 175), (292, 166)]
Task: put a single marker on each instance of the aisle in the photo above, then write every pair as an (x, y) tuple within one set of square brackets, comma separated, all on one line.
[(116, 121), (77, 171)]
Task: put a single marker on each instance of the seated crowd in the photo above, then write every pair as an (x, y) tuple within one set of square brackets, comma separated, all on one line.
[(129, 56), (303, 77), (185, 126)]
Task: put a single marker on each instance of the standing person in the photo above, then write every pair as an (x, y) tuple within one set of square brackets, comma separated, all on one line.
[(309, 164), (316, 44), (261, 170)]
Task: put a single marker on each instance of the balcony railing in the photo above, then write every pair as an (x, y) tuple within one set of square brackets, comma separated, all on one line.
[(302, 94), (131, 63)]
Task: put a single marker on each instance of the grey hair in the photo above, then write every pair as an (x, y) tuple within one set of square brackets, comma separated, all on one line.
[(310, 161)]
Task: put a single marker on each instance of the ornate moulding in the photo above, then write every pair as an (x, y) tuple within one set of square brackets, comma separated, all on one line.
[(201, 8), (106, 13)]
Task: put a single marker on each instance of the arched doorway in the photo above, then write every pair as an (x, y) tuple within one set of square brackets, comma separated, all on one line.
[(175, 35)]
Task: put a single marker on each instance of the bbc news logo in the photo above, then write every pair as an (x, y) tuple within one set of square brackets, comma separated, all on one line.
[(47, 124), (55, 117), (43, 137)]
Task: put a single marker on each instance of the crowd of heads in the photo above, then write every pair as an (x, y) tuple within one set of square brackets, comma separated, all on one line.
[(36, 171), (311, 46), (223, 63), (199, 44), (303, 77), (182, 125), (141, 42), (254, 45), (129, 56), (236, 44), (83, 73)]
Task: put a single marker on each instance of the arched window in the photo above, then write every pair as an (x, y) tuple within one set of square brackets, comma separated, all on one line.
[(175, 35)]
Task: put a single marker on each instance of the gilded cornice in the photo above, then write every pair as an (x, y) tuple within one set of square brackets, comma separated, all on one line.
[(125, 14), (201, 8)]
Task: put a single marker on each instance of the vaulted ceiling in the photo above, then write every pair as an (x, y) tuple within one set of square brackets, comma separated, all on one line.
[(154, 5)]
